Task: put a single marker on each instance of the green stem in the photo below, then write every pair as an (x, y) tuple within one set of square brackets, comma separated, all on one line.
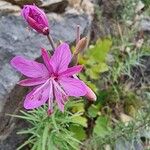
[(54, 121), (50, 39)]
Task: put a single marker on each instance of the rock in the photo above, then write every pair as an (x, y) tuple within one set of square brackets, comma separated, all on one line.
[(48, 5), (125, 118), (23, 2), (6, 7), (16, 39), (144, 24), (139, 7), (81, 6), (123, 144), (14, 140), (54, 5), (111, 8)]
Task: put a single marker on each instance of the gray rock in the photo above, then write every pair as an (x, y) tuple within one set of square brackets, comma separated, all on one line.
[(48, 5), (123, 144), (54, 5), (6, 7), (16, 39), (23, 2), (144, 24)]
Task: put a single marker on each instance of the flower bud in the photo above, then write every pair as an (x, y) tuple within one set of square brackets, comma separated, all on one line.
[(36, 18), (80, 46), (90, 95)]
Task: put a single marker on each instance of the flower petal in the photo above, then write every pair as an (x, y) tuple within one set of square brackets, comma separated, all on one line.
[(38, 14), (29, 68), (32, 81), (59, 99), (36, 18), (73, 87), (71, 71), (50, 99), (61, 58), (46, 59), (37, 26), (34, 101), (90, 95)]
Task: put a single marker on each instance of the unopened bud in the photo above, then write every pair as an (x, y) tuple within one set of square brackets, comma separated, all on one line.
[(80, 46), (36, 18)]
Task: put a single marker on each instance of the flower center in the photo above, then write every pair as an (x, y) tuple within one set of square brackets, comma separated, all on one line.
[(54, 77)]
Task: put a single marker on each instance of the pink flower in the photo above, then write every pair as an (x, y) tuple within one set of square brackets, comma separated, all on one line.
[(53, 79), (36, 18)]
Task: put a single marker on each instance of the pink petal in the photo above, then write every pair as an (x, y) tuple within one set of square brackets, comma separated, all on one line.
[(46, 59), (32, 81), (36, 18), (73, 87), (90, 95), (34, 101), (50, 99), (29, 68), (25, 11), (38, 14), (71, 71), (61, 58), (59, 99), (41, 28)]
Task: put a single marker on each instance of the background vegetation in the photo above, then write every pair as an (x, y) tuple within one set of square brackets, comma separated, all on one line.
[(116, 68)]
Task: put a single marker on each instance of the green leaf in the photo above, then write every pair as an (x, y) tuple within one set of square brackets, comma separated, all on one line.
[(101, 49), (79, 132), (92, 74), (102, 67), (93, 110), (80, 120), (82, 59), (78, 107), (45, 137), (102, 126)]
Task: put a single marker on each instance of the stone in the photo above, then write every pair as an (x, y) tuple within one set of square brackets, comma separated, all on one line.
[(16, 39), (48, 5), (6, 7), (144, 24), (123, 144), (54, 5), (23, 2), (82, 6)]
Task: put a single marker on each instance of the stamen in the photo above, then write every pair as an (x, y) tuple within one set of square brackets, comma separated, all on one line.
[(78, 34), (61, 90), (59, 87), (50, 100)]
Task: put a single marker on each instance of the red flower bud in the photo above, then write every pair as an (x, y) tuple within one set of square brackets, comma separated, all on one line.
[(36, 18)]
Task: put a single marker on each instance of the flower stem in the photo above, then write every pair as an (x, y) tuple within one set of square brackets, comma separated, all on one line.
[(54, 121), (50, 39), (78, 34)]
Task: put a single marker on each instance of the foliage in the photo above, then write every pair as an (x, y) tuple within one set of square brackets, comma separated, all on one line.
[(130, 131), (102, 126), (53, 132), (94, 61), (146, 2), (94, 125)]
